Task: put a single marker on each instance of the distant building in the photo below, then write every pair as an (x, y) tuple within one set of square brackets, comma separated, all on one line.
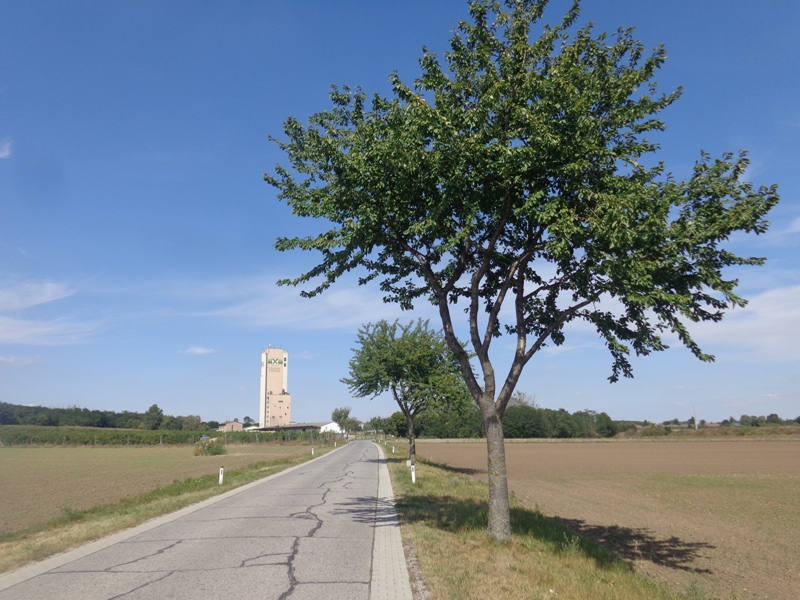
[(330, 427), (231, 426), (275, 402)]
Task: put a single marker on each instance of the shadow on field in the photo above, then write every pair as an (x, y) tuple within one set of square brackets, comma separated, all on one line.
[(457, 514), (639, 544), (451, 469), (606, 545)]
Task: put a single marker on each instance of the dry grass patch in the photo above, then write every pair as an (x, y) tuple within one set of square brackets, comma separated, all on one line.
[(41, 483)]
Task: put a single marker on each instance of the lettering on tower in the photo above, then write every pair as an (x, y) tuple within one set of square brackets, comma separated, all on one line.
[(275, 402)]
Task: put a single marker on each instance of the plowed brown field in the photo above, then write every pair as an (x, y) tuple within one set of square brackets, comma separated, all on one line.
[(723, 516), (39, 483)]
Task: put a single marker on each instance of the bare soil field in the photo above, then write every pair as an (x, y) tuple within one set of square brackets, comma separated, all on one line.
[(39, 483), (719, 516)]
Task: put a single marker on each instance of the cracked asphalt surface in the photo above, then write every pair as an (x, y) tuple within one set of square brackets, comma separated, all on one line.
[(301, 535)]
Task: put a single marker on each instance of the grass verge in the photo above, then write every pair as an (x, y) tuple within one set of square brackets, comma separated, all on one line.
[(74, 528), (444, 517)]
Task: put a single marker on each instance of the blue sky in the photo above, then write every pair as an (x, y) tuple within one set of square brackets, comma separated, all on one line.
[(136, 233)]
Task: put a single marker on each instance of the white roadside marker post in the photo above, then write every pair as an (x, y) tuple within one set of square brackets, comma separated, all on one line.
[(413, 474), (221, 474), (312, 450)]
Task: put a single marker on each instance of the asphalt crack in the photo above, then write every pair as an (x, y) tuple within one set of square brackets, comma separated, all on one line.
[(145, 557), (329, 485), (141, 587)]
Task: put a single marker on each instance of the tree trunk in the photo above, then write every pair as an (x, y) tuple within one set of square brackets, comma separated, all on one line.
[(499, 510), (412, 440)]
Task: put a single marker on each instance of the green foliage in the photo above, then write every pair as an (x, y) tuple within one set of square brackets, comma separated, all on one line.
[(605, 426), (341, 416), (396, 425), (412, 361), (352, 424), (656, 431), (192, 423), (448, 424), (22, 435), (519, 171), (523, 162), (519, 421), (211, 447), (520, 398), (13, 414), (376, 424), (153, 417), (7, 416), (527, 422)]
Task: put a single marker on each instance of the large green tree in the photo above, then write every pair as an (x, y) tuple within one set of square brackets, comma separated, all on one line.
[(411, 361), (513, 182)]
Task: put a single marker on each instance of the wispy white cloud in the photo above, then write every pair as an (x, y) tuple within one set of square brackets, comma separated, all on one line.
[(768, 327), (344, 308), (38, 331), (17, 361), (32, 293), (54, 332), (198, 351), (5, 148)]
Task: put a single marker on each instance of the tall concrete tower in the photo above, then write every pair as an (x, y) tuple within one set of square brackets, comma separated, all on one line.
[(275, 402)]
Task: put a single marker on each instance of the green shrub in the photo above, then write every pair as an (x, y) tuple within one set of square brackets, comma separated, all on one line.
[(210, 447), (656, 431)]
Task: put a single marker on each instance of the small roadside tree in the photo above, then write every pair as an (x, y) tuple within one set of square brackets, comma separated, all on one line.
[(519, 175), (341, 416), (413, 362)]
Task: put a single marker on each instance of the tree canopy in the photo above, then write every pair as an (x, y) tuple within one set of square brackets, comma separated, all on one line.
[(516, 173), (341, 416), (411, 361)]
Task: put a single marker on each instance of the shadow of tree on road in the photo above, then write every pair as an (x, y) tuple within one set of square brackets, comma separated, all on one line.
[(368, 509)]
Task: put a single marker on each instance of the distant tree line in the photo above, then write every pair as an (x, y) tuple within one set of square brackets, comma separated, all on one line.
[(754, 421), (743, 421), (519, 421), (153, 419), (526, 420), (34, 435)]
